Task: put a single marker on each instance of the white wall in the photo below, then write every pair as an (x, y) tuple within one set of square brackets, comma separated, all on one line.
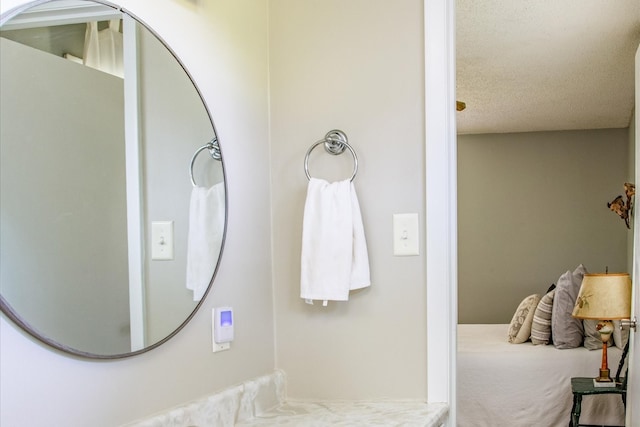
[(631, 174), (224, 45), (532, 206), (356, 66)]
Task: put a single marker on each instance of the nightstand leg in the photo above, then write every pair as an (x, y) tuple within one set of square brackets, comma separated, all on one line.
[(575, 411)]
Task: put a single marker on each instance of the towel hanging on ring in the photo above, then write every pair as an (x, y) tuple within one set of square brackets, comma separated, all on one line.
[(334, 257), (204, 239)]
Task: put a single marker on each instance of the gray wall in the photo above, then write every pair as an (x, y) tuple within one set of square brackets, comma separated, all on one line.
[(532, 206)]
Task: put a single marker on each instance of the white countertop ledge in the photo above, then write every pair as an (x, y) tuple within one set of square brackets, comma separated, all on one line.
[(262, 402)]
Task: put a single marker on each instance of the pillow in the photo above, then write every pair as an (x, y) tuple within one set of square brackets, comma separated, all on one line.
[(620, 338), (592, 339), (578, 275), (541, 327), (520, 326), (567, 332)]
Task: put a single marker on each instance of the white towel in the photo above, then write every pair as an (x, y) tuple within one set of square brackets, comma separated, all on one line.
[(334, 249), (206, 227)]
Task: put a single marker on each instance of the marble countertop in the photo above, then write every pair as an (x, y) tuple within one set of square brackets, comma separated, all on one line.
[(262, 402), (352, 414)]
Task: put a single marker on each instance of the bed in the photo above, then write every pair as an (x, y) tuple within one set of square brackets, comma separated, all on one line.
[(502, 384)]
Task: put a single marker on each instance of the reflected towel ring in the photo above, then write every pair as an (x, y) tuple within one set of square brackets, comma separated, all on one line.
[(335, 142), (214, 151)]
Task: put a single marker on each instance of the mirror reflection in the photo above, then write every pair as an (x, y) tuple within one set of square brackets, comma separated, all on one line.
[(98, 125)]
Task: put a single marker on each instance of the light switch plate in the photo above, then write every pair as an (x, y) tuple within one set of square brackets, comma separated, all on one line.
[(162, 240), (405, 234)]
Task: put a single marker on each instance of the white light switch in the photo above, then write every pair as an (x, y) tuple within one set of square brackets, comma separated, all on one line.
[(405, 234), (162, 240)]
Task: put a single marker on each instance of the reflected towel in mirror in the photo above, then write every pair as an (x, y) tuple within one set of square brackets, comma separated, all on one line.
[(206, 225), (334, 257)]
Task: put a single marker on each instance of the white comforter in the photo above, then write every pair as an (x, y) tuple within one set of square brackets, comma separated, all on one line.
[(522, 385)]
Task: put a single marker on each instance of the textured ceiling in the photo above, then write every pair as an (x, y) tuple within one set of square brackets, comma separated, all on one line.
[(533, 65)]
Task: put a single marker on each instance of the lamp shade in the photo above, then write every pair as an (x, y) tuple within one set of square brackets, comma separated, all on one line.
[(604, 297)]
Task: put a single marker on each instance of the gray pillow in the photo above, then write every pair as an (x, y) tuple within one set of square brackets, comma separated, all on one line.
[(567, 331), (620, 338)]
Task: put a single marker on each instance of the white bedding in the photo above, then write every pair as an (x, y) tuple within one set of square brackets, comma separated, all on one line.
[(501, 384)]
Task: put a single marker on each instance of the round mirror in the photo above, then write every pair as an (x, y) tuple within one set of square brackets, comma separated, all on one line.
[(107, 249)]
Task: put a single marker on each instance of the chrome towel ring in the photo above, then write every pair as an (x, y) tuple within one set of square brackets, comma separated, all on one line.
[(335, 142), (214, 151)]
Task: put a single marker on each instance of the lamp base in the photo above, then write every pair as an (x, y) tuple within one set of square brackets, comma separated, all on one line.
[(604, 376), (605, 327), (612, 384)]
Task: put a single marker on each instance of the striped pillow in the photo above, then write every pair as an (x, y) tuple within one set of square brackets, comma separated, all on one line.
[(541, 327)]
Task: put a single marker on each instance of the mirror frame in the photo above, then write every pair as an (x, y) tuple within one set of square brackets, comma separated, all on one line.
[(14, 316)]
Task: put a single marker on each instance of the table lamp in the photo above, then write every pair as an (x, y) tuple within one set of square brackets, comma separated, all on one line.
[(604, 297)]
